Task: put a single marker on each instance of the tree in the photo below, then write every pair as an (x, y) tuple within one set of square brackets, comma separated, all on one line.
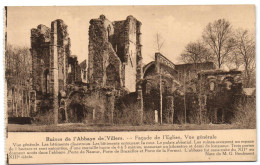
[(244, 55), (218, 36), (196, 52), (159, 42), (18, 78)]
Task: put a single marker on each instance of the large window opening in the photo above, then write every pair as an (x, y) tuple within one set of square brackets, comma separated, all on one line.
[(112, 77)]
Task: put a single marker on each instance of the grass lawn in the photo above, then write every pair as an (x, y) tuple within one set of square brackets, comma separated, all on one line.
[(78, 127)]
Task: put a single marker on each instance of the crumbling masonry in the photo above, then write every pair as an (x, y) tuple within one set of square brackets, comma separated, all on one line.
[(115, 53), (50, 50), (89, 92), (114, 69)]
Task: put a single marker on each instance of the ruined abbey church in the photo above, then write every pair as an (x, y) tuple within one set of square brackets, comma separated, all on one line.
[(114, 69), (113, 86)]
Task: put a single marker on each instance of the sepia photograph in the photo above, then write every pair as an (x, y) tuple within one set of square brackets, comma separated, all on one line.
[(76, 69), (153, 70)]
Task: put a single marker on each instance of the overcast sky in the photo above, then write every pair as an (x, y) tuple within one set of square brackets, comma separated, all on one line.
[(178, 25)]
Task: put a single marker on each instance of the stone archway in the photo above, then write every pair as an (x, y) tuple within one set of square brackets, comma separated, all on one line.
[(76, 113), (45, 81), (89, 107), (154, 99), (228, 82)]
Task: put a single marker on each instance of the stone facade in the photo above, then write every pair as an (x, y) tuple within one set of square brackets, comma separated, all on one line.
[(91, 91), (188, 72), (50, 51), (77, 73), (115, 53), (219, 91), (190, 87), (73, 92), (161, 71)]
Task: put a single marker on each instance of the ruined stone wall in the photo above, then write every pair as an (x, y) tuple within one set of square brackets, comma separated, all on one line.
[(72, 61), (102, 56), (40, 52), (130, 50), (60, 48), (60, 44), (74, 75), (117, 45), (91, 106), (118, 40), (219, 91), (189, 71), (127, 44), (139, 57), (50, 50)]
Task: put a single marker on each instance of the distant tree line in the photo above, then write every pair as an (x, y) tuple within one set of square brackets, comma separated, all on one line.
[(18, 79), (222, 44)]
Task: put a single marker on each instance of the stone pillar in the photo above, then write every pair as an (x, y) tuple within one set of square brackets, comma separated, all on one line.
[(140, 104), (65, 61), (66, 112), (170, 108), (54, 69), (139, 58), (110, 105), (203, 114)]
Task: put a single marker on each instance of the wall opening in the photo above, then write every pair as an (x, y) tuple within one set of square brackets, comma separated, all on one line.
[(112, 76), (45, 81), (62, 115), (219, 115), (77, 113)]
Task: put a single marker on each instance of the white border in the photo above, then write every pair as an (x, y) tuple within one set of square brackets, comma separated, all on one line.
[(108, 2)]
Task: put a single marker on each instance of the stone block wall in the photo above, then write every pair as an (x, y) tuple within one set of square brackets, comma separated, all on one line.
[(219, 91), (40, 52), (115, 62), (60, 52), (115, 47), (50, 50), (127, 42), (102, 57), (187, 72)]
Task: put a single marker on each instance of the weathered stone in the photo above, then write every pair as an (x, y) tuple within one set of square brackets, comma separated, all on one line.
[(50, 49), (114, 64), (219, 91), (115, 47)]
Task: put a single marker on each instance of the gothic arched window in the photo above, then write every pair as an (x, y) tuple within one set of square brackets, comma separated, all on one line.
[(112, 76), (45, 81), (212, 86), (228, 85)]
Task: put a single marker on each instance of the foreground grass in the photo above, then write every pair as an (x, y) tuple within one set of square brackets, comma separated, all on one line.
[(78, 127)]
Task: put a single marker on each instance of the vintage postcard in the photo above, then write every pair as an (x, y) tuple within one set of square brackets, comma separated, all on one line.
[(102, 84)]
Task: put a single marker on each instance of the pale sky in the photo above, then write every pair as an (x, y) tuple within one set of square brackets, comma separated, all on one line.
[(178, 25)]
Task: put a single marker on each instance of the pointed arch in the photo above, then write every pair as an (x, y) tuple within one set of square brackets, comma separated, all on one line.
[(112, 77)]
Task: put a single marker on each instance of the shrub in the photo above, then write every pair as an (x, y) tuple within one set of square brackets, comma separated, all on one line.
[(128, 114), (245, 114), (44, 117)]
